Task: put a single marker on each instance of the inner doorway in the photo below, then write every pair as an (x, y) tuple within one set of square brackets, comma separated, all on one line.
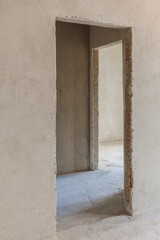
[(110, 104), (82, 188), (110, 122)]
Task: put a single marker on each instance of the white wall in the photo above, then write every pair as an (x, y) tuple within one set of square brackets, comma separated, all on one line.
[(110, 93)]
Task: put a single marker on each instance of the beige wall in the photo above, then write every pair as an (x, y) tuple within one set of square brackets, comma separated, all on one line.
[(110, 93), (28, 106), (72, 97)]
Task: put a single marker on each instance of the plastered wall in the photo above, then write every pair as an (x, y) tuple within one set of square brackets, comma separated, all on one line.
[(72, 97), (110, 93), (28, 107)]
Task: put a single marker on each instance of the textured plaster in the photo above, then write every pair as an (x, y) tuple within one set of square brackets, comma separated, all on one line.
[(28, 109), (94, 110), (72, 97)]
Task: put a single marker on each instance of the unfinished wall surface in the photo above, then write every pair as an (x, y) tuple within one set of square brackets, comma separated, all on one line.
[(27, 122), (28, 106), (72, 97), (146, 117), (110, 93)]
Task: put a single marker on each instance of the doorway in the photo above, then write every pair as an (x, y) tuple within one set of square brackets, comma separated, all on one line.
[(110, 103), (83, 193)]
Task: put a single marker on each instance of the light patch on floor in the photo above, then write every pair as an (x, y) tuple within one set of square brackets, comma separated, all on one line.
[(111, 154), (139, 227), (86, 197)]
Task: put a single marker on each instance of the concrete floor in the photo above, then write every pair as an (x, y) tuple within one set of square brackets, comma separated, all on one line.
[(90, 204), (86, 197), (111, 154), (139, 227)]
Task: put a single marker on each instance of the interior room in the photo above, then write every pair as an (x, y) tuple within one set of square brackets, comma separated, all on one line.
[(110, 94), (85, 194)]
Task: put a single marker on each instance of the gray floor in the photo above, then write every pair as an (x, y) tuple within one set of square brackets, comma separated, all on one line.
[(91, 196), (93, 210), (140, 227)]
